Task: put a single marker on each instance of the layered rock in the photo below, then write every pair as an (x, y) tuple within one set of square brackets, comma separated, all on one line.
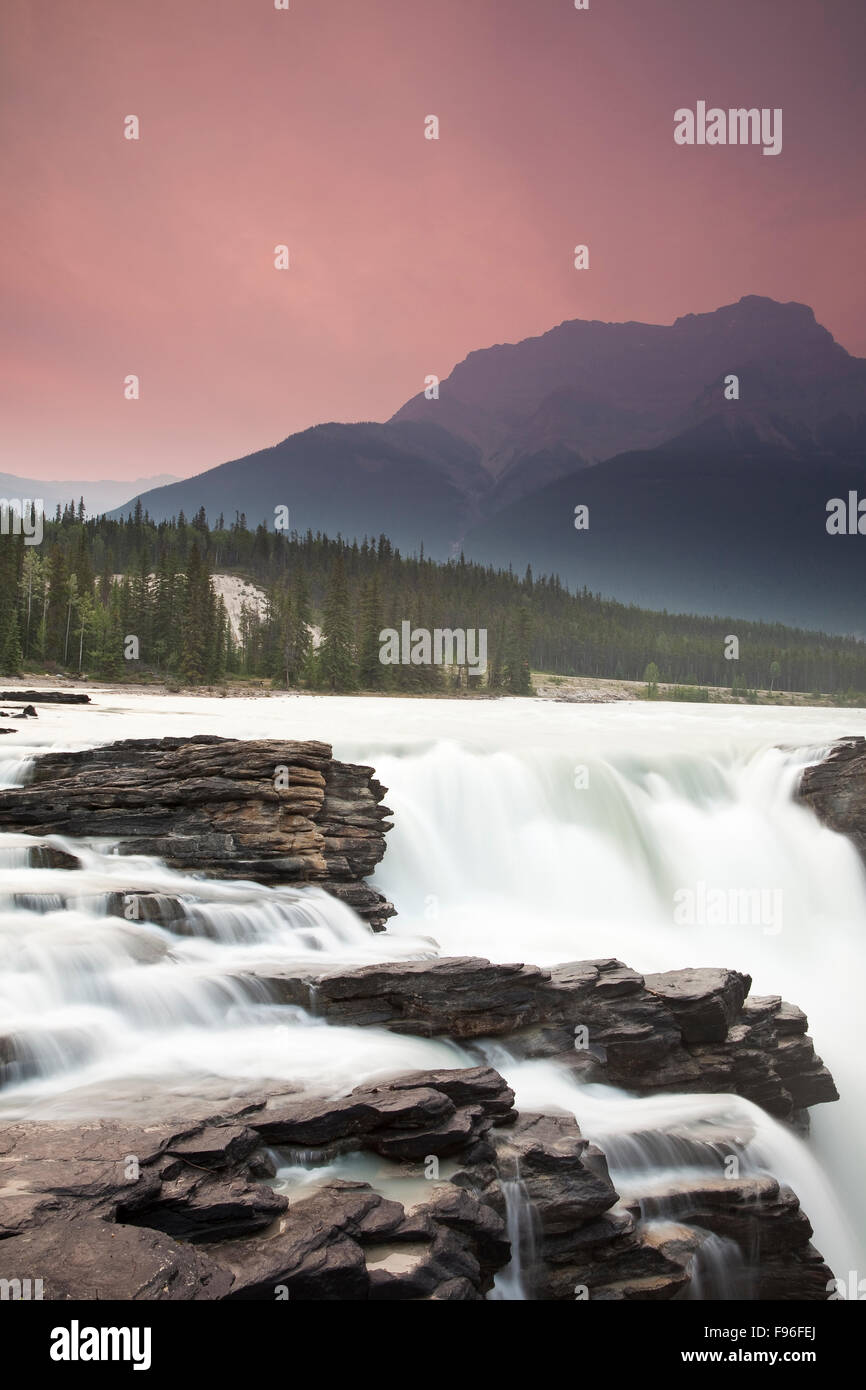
[(683, 1030), (155, 1211), (275, 811), (185, 1207)]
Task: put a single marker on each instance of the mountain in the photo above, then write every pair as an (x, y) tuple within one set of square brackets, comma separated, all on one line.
[(587, 391), (413, 482), (630, 417), (719, 521), (100, 495)]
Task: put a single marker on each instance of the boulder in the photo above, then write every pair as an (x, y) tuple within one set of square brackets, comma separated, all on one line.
[(275, 811)]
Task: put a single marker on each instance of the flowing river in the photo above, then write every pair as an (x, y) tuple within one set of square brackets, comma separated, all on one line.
[(524, 831)]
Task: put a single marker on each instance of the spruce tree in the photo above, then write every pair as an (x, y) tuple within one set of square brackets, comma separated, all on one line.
[(336, 657), (57, 600), (194, 620), (371, 672)]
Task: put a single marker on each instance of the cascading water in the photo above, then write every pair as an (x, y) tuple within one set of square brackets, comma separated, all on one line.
[(95, 1003), (718, 1272), (656, 1146), (513, 857), (523, 831), (513, 1284)]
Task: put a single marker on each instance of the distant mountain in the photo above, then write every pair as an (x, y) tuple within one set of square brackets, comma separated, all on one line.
[(700, 502), (716, 522), (100, 495), (587, 391), (413, 482)]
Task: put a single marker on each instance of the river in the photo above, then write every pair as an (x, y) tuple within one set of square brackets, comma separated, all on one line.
[(524, 831)]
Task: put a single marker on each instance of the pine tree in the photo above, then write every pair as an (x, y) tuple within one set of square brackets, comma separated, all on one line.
[(217, 646), (11, 656), (299, 644), (194, 620), (57, 601), (336, 658), (517, 673), (371, 671)]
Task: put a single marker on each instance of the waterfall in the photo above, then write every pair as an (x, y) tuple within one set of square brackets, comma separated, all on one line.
[(524, 831), (513, 1283), (718, 1272), (95, 1002), (655, 1145), (500, 854)]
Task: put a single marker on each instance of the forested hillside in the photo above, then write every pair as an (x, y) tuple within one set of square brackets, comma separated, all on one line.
[(115, 598)]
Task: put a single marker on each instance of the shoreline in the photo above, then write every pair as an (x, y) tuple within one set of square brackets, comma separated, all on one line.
[(547, 688)]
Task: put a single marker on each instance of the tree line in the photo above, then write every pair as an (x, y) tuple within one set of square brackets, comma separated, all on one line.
[(110, 598)]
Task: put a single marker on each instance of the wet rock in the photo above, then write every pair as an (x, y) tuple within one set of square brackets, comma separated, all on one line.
[(217, 1146), (275, 811), (346, 1241), (835, 790), (50, 857), (200, 1209), (410, 1117), (87, 1258), (174, 1210), (704, 1002), (764, 1219), (565, 1177), (682, 1030)]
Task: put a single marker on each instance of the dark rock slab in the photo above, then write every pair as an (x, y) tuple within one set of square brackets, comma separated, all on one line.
[(835, 790), (163, 1210), (681, 1030), (275, 811), (86, 1258), (704, 1002), (44, 697)]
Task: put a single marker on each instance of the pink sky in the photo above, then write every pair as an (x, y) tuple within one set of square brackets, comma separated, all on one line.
[(306, 127)]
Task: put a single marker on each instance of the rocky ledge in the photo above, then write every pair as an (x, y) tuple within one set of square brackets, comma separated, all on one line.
[(835, 790), (684, 1030), (274, 811), (193, 1210)]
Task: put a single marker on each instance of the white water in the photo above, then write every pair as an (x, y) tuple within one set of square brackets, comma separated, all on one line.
[(513, 1283), (496, 851)]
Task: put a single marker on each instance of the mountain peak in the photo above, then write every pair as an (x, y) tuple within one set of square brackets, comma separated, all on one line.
[(756, 306), (598, 389)]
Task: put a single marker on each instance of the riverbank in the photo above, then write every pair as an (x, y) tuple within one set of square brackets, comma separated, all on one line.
[(591, 690)]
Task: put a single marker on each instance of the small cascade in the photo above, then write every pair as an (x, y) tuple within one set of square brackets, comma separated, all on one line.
[(513, 1283), (662, 1149), (124, 968), (719, 1272)]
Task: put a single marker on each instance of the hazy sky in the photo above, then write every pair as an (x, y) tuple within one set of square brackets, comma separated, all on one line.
[(306, 127)]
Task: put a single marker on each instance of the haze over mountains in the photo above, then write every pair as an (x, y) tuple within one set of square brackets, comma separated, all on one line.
[(100, 495), (696, 502)]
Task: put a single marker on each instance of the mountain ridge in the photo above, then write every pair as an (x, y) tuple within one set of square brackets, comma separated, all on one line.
[(513, 420)]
